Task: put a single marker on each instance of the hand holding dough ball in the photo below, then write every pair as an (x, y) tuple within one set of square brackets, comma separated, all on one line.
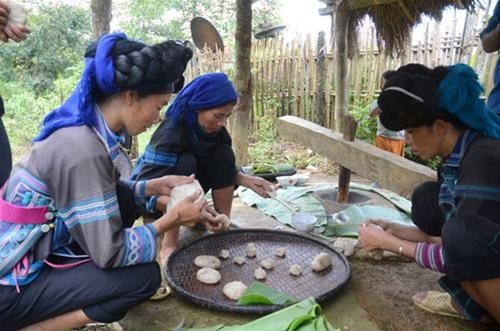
[(208, 276), (183, 191), (207, 261), (234, 290), (321, 262)]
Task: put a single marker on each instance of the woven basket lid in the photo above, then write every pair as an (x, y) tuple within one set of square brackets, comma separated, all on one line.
[(204, 34)]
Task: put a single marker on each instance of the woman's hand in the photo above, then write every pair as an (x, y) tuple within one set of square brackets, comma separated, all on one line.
[(13, 22), (372, 236), (165, 184), (188, 211), (259, 185), (4, 14), (213, 221)]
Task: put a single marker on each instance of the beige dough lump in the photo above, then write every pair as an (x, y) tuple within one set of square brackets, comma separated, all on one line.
[(17, 13), (224, 254), (280, 252), (267, 264), (208, 276), (207, 261), (239, 260), (260, 274), (234, 290), (251, 250), (183, 191), (295, 270), (321, 262)]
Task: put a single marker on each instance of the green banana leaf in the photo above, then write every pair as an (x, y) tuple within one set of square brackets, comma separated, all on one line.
[(261, 294), (302, 316)]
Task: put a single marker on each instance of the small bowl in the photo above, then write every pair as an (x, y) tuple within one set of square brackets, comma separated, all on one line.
[(301, 179), (285, 181), (303, 222)]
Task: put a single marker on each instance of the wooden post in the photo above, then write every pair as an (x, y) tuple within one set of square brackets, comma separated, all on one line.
[(341, 75), (319, 101), (350, 127)]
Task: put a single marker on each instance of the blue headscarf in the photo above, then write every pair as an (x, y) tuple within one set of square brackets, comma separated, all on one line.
[(204, 92), (460, 93), (78, 109)]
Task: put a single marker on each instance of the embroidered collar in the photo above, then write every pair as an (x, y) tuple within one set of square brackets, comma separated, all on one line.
[(112, 143), (449, 173), (460, 148)]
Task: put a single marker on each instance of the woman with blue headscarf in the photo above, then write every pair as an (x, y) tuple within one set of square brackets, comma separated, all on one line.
[(193, 139), (457, 218), (62, 206)]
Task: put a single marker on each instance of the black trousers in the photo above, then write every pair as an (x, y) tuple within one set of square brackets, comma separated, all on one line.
[(5, 154), (105, 295), (217, 170)]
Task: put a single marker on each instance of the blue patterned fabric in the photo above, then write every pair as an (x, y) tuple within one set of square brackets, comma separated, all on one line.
[(204, 92), (460, 93), (449, 173), (494, 96)]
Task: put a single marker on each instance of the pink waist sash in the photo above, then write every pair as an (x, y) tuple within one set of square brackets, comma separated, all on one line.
[(22, 215)]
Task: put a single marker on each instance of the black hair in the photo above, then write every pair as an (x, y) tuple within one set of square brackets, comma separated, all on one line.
[(147, 69), (421, 106), (388, 74)]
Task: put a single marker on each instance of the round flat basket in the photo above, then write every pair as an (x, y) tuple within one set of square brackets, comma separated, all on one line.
[(181, 271), (204, 34)]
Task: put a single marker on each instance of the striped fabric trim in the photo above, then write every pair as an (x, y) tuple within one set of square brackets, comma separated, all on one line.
[(449, 172), (477, 192), (102, 208), (159, 158), (430, 256), (139, 245), (24, 177), (139, 188)]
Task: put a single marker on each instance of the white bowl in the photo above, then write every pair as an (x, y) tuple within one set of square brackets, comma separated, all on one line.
[(303, 222), (285, 181), (301, 178)]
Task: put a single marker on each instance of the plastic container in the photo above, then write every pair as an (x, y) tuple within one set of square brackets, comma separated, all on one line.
[(303, 222), (285, 181)]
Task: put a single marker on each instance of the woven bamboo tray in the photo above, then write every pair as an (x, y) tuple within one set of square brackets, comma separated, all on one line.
[(181, 271)]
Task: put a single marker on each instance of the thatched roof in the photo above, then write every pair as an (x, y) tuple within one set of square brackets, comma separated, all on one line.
[(394, 19)]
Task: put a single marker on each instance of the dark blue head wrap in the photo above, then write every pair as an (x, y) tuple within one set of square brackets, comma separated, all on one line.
[(459, 94), (78, 109), (204, 92)]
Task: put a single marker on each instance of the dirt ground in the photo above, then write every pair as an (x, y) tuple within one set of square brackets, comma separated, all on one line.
[(377, 297)]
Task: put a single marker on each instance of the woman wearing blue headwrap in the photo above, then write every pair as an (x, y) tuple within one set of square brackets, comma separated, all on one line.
[(193, 140), (68, 255), (457, 218)]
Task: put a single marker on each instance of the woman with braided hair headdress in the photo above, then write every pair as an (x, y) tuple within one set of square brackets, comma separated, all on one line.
[(457, 218), (90, 265)]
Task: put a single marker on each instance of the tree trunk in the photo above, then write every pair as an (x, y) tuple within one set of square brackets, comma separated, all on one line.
[(243, 80), (101, 16), (341, 79), (320, 100)]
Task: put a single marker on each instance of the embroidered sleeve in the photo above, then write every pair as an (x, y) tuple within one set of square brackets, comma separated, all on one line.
[(80, 180), (430, 256), (138, 187)]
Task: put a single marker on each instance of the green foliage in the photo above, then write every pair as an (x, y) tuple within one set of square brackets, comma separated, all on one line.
[(156, 20), (367, 126), (58, 39)]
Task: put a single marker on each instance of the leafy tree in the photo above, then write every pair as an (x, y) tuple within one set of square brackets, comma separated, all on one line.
[(155, 20), (60, 34)]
